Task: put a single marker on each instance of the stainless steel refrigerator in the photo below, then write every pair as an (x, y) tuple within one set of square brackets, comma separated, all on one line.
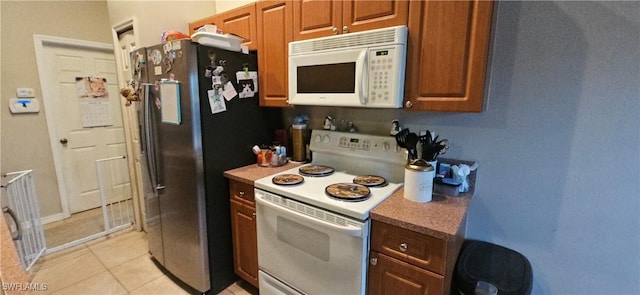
[(199, 116)]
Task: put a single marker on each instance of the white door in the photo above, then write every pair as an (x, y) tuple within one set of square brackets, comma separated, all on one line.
[(80, 146), (127, 44)]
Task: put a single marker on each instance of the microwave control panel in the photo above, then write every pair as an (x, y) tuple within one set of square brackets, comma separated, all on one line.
[(385, 66)]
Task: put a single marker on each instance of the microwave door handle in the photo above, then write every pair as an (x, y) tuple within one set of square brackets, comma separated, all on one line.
[(362, 80)]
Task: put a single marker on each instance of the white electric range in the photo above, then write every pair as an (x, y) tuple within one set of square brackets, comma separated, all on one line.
[(313, 230)]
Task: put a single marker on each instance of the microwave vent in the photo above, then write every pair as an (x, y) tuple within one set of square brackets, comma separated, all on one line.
[(394, 35)]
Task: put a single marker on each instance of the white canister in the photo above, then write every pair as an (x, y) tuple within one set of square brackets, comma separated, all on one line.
[(418, 181)]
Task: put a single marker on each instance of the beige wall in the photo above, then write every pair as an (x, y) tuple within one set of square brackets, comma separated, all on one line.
[(25, 139), (155, 17), (224, 5)]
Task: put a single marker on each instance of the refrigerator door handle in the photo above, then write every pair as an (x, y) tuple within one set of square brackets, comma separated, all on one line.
[(149, 143)]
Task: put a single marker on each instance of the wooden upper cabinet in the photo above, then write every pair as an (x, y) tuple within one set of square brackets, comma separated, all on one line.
[(274, 34), (321, 18), (360, 16), (447, 55), (316, 18), (240, 21)]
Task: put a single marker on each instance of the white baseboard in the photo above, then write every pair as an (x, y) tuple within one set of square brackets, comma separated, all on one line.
[(52, 218)]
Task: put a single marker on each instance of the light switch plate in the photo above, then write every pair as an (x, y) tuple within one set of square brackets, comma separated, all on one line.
[(24, 105), (25, 92)]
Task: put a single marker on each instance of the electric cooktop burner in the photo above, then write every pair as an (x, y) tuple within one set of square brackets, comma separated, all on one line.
[(316, 170), (348, 192), (370, 180), (287, 179)]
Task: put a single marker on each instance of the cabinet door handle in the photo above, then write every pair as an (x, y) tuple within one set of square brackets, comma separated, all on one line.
[(403, 247), (374, 261), (335, 31), (253, 214), (345, 29), (241, 193), (408, 104)]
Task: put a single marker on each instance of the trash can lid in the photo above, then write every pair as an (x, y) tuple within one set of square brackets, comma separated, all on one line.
[(506, 269)]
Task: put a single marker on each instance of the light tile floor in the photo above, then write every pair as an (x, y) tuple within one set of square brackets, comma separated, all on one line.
[(118, 264)]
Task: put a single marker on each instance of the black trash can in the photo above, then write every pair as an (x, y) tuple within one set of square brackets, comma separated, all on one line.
[(509, 271)]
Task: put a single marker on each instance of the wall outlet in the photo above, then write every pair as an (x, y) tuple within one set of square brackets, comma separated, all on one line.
[(24, 105), (25, 92)]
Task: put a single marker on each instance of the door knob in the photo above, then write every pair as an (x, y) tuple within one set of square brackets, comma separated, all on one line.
[(63, 141)]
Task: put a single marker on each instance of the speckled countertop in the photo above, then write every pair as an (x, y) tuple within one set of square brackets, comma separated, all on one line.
[(441, 218), (250, 173)]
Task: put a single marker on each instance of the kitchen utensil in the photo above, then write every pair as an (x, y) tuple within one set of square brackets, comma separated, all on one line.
[(412, 141), (425, 139), (443, 146), (425, 145), (401, 138)]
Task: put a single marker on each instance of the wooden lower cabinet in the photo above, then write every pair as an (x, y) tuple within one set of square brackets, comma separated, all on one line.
[(243, 231), (391, 276), (402, 261)]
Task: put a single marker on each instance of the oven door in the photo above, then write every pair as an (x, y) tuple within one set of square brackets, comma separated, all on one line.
[(309, 249)]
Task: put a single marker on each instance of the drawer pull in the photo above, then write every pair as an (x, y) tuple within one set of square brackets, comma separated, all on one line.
[(374, 261), (403, 247)]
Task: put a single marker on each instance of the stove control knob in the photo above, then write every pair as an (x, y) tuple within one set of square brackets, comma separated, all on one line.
[(386, 146), (326, 139), (318, 138)]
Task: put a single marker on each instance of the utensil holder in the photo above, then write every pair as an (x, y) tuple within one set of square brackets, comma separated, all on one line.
[(418, 181)]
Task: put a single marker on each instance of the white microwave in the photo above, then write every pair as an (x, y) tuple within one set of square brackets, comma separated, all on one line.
[(363, 69)]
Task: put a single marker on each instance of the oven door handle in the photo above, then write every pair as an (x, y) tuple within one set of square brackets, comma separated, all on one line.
[(349, 229)]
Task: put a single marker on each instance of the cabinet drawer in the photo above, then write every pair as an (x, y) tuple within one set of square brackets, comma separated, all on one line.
[(420, 250), (242, 192), (391, 276)]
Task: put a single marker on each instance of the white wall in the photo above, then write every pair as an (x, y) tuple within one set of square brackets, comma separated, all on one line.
[(224, 5), (156, 17), (558, 147)]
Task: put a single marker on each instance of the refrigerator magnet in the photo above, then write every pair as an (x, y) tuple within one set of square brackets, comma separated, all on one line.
[(248, 83), (216, 82), (156, 57), (229, 92), (216, 102)]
